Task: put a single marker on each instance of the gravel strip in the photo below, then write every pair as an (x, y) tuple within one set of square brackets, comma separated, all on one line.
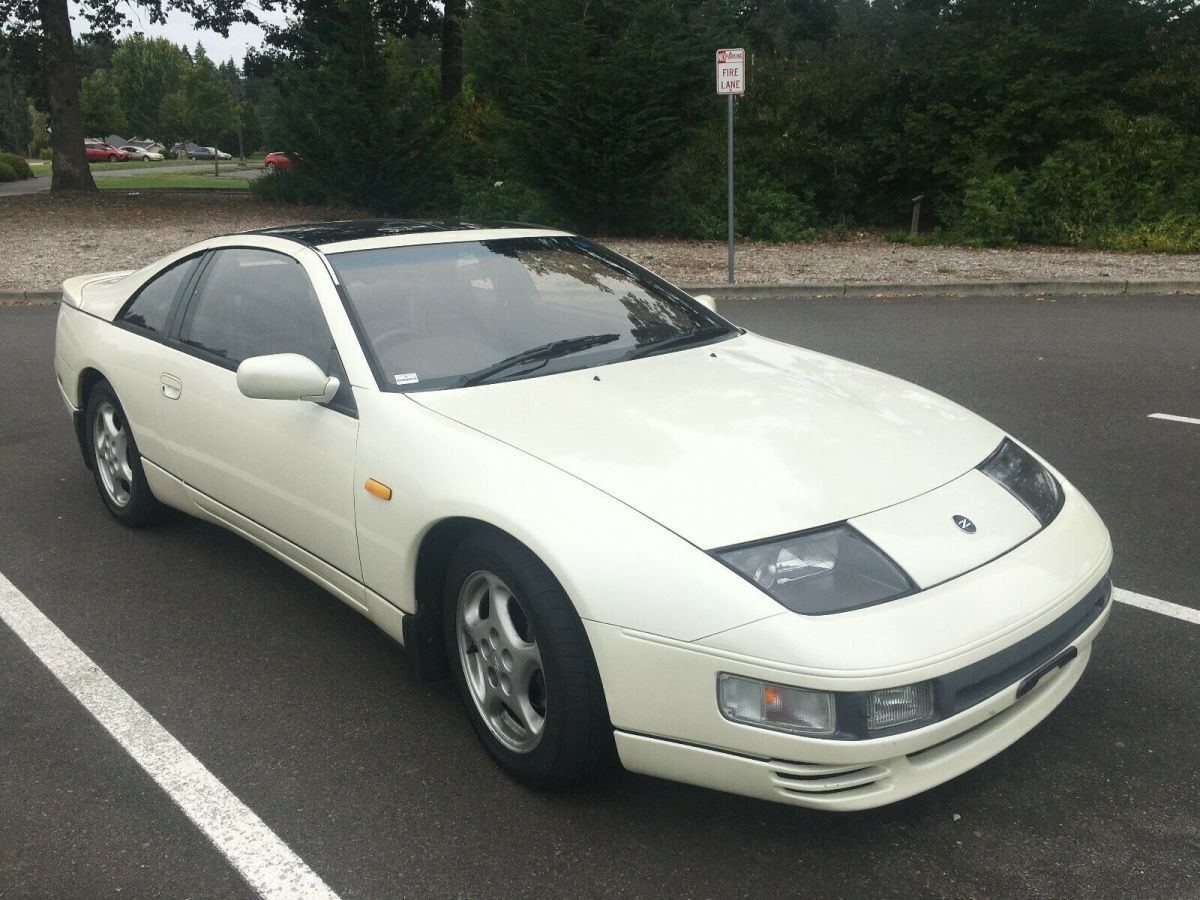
[(46, 238)]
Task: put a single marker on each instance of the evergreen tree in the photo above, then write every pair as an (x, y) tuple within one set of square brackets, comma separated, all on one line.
[(100, 105), (145, 70), (597, 96)]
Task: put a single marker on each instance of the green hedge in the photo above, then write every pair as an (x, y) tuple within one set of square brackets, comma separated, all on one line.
[(17, 167)]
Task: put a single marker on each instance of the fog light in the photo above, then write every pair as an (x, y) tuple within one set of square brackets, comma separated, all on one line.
[(899, 705), (775, 706)]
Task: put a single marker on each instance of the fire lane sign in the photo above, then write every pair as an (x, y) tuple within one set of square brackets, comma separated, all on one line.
[(731, 71)]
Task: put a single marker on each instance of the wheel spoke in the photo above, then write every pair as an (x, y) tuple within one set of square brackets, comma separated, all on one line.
[(526, 662), (532, 720), (475, 627), (109, 420), (502, 619)]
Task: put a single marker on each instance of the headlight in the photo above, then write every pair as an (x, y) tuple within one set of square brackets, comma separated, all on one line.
[(820, 572), (1025, 478)]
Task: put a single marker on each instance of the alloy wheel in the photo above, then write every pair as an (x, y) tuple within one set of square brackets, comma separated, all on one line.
[(110, 437), (501, 661)]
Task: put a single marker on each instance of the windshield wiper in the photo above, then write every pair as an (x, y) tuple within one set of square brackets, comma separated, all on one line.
[(696, 336), (543, 354)]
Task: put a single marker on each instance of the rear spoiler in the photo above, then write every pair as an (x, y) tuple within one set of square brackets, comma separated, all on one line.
[(73, 288)]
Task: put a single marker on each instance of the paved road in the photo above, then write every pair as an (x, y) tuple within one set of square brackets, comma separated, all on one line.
[(229, 168), (28, 186), (309, 716)]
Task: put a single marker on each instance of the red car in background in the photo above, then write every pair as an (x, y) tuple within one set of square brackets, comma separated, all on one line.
[(277, 159), (98, 152)]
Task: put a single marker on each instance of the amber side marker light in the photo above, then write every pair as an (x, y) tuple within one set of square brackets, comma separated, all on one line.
[(378, 489)]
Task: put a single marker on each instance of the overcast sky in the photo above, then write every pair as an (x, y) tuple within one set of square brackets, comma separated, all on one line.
[(179, 30)]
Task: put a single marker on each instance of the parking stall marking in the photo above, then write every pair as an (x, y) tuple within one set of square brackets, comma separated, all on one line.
[(1153, 604), (259, 855), (1170, 418)]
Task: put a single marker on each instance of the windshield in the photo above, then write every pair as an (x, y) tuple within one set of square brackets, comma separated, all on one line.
[(448, 315)]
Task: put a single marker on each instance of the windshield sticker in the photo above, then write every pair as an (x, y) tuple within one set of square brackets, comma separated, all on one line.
[(406, 378)]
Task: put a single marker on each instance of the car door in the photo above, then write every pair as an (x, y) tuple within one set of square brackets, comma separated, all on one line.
[(285, 465)]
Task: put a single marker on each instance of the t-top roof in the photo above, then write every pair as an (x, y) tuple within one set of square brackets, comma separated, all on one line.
[(320, 233)]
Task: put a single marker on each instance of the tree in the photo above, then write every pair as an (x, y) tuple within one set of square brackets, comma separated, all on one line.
[(453, 17), (210, 109), (15, 121), (94, 51), (100, 105), (39, 138), (145, 70), (51, 20), (203, 109), (597, 95)]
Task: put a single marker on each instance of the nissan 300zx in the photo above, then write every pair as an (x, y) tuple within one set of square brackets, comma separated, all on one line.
[(630, 530)]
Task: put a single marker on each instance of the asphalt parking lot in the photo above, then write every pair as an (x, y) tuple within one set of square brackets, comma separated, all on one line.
[(310, 717)]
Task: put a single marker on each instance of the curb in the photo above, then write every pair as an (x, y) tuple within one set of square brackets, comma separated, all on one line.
[(942, 289), (30, 298)]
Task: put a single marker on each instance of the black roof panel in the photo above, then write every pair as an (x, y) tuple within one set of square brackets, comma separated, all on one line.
[(315, 233)]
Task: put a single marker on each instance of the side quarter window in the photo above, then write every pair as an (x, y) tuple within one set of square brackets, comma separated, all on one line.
[(150, 309), (253, 303)]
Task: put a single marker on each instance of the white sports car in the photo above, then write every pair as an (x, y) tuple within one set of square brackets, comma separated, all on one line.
[(628, 528)]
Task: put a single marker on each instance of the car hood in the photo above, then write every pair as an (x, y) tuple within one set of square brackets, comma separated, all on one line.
[(735, 441)]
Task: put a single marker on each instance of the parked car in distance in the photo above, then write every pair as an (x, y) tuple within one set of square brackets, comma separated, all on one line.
[(208, 153), (277, 159), (139, 153), (100, 152)]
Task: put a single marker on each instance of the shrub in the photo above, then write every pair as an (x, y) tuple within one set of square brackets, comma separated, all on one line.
[(993, 210), (481, 199), (6, 172), (1173, 233), (46, 153), (766, 212), (18, 165)]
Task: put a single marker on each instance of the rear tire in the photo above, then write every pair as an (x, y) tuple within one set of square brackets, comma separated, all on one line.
[(523, 666), (115, 461), (112, 157)]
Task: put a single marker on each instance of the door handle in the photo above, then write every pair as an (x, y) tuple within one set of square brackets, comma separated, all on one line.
[(171, 386)]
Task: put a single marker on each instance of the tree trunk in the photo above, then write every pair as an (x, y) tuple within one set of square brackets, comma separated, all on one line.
[(454, 11), (71, 172)]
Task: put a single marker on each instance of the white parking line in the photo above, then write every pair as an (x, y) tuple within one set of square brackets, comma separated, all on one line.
[(264, 860), (1171, 418), (1141, 601)]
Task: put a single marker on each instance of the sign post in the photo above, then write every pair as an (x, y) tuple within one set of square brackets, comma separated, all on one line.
[(731, 79)]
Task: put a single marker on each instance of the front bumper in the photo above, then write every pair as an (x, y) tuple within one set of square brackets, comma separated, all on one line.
[(875, 772), (989, 622)]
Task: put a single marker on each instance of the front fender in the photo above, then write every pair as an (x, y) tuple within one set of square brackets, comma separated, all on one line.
[(618, 566)]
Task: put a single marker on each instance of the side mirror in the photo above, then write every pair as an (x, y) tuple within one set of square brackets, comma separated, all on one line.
[(285, 376), (707, 301)]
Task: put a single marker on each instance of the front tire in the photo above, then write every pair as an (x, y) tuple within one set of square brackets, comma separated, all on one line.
[(116, 463), (523, 665)]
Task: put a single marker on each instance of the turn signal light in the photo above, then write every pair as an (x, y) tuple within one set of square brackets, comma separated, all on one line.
[(775, 706)]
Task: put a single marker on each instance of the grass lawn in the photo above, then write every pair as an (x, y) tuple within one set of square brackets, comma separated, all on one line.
[(169, 180), (252, 161)]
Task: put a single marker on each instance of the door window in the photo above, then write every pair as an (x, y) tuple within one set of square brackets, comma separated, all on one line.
[(254, 303)]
